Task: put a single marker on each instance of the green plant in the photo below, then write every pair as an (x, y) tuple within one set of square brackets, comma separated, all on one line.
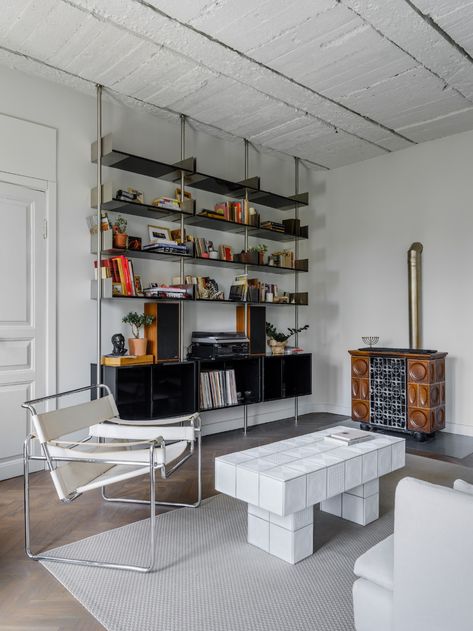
[(277, 336), (136, 321), (120, 224), (261, 247)]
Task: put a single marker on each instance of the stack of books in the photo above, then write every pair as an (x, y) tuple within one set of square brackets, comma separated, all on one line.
[(123, 278), (274, 226), (217, 389), (106, 269), (284, 258), (166, 247), (129, 196), (166, 202), (175, 292), (238, 212)]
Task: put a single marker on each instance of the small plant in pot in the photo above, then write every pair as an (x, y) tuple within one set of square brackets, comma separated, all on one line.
[(137, 321), (258, 252), (119, 233), (277, 341)]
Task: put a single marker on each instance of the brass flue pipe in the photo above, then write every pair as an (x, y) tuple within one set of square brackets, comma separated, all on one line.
[(414, 266)]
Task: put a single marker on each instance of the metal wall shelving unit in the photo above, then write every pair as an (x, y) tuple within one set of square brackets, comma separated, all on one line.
[(186, 174)]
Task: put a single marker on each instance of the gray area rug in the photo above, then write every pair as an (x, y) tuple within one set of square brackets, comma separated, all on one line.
[(210, 579)]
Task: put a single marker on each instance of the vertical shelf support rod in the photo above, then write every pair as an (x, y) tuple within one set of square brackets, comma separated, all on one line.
[(181, 260), (296, 278), (247, 146), (99, 234)]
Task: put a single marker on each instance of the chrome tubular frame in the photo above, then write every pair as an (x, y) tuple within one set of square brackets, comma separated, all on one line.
[(43, 556), (165, 474)]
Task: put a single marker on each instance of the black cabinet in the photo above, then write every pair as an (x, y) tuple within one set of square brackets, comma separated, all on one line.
[(172, 388), (286, 376)]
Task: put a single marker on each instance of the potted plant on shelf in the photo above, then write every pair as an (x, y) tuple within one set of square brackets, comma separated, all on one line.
[(137, 321), (277, 341), (119, 233)]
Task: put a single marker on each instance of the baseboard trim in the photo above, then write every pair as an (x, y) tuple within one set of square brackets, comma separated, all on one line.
[(255, 417), (459, 428), (14, 468)]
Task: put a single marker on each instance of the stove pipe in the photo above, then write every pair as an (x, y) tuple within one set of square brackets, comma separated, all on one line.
[(414, 266)]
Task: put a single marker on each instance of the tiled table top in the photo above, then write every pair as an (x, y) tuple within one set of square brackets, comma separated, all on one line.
[(290, 475)]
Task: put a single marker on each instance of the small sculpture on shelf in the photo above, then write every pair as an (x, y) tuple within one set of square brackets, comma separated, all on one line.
[(118, 343)]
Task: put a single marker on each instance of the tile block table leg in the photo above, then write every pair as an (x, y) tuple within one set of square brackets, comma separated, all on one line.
[(361, 504), (333, 505), (289, 538)]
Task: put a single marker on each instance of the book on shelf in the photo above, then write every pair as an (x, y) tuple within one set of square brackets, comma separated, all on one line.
[(237, 212), (120, 270), (105, 265), (273, 225), (217, 389)]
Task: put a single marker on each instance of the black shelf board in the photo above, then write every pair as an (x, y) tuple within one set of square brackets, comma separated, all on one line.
[(221, 302), (225, 225), (143, 166), (271, 269), (196, 260), (247, 302), (143, 210), (143, 254), (125, 161), (238, 190)]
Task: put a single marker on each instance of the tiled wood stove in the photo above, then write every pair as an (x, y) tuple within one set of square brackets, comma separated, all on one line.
[(399, 389)]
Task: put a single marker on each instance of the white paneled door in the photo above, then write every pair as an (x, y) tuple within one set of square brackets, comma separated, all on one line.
[(23, 302)]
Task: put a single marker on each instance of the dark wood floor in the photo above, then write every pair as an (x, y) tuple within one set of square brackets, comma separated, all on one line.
[(30, 599)]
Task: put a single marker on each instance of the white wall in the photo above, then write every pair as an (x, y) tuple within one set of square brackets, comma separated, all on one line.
[(74, 116), (366, 217)]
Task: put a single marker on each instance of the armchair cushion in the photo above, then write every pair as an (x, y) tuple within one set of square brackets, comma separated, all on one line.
[(377, 564)]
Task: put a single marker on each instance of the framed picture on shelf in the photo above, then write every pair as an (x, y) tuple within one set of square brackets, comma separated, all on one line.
[(138, 285), (157, 234)]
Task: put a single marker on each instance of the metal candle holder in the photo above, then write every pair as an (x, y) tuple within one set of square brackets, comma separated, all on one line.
[(370, 340)]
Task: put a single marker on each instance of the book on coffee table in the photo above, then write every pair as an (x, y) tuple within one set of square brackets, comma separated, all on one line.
[(350, 436)]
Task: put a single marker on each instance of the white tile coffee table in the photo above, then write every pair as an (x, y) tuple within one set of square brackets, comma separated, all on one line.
[(282, 481)]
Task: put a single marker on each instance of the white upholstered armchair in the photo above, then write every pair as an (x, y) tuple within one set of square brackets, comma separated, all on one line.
[(113, 451), (420, 577)]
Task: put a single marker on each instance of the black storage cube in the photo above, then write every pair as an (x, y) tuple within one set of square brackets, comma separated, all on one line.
[(173, 389), (272, 380), (297, 375)]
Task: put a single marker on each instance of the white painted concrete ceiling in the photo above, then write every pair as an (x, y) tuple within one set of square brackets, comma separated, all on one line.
[(331, 81)]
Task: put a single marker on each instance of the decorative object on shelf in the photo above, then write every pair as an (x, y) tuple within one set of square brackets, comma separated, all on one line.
[(118, 344), (399, 389), (119, 233), (277, 340), (137, 321), (158, 234), (92, 223), (134, 243), (130, 195), (138, 285), (207, 288), (370, 340)]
